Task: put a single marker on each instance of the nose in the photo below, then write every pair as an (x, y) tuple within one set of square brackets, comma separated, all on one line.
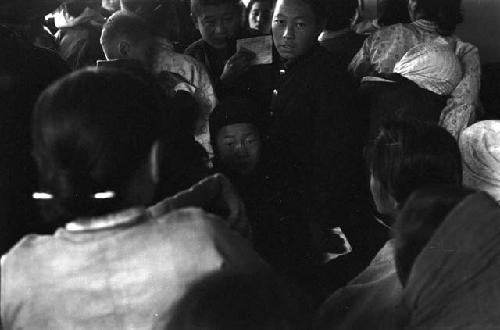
[(241, 149), (257, 18), (220, 28), (289, 32)]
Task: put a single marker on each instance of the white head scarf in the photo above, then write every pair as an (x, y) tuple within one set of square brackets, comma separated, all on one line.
[(432, 65), (480, 148)]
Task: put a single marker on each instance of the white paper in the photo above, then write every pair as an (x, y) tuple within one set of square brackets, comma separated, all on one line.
[(261, 46)]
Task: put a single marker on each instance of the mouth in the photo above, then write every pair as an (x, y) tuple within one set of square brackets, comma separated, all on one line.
[(286, 47)]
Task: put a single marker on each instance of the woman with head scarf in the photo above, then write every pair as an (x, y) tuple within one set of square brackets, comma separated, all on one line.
[(480, 148), (430, 20), (418, 88)]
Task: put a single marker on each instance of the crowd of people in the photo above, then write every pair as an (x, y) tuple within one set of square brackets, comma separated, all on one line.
[(157, 173)]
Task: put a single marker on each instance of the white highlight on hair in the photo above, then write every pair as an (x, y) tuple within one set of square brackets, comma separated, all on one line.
[(105, 195), (42, 195)]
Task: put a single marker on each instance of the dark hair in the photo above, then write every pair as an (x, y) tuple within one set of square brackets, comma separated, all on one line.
[(393, 12), (238, 301), (422, 214), (407, 155), (196, 5), (340, 13), (76, 7), (319, 8), (124, 23), (447, 14), (233, 110), (91, 131)]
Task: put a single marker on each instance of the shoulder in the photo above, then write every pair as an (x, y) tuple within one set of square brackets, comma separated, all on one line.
[(327, 64), (25, 249), (192, 219), (391, 32), (196, 48)]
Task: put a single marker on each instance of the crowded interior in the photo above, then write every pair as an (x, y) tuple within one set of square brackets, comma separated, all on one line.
[(249, 165)]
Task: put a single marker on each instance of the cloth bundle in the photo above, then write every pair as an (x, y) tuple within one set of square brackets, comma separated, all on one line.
[(432, 65), (480, 148)]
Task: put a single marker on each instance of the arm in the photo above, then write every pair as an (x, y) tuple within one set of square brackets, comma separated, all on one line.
[(339, 194), (464, 100), (360, 64), (213, 192)]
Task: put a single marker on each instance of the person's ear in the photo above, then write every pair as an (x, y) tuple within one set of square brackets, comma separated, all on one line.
[(124, 48), (195, 22), (154, 162), (394, 203), (412, 7)]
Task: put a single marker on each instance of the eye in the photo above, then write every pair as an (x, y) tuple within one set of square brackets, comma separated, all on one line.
[(209, 22), (251, 140), (300, 25), (280, 22)]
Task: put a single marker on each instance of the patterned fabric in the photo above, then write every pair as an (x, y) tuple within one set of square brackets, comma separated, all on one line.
[(128, 274), (480, 148), (197, 83), (432, 65), (383, 49)]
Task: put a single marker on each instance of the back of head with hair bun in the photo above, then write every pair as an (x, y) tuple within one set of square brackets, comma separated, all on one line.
[(92, 130)]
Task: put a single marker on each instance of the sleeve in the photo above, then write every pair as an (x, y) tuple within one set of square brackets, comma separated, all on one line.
[(338, 187), (205, 95), (360, 63), (464, 100)]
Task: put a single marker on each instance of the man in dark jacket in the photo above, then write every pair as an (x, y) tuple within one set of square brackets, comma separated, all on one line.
[(314, 153)]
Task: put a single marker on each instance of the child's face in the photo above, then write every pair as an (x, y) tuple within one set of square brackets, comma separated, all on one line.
[(219, 23), (294, 27), (238, 147), (259, 17)]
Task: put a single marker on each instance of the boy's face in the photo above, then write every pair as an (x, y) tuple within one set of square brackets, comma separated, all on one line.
[(219, 23), (238, 147), (294, 27)]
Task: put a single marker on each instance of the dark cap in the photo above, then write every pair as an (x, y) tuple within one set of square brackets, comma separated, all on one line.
[(235, 110)]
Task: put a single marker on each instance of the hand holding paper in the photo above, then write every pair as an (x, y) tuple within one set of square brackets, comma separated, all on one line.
[(262, 47)]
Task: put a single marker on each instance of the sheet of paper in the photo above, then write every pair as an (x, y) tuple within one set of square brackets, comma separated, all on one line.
[(261, 46)]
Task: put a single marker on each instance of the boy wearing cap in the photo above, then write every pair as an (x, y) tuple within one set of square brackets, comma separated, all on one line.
[(236, 131)]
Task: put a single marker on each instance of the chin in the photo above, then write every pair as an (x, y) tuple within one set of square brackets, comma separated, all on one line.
[(287, 55)]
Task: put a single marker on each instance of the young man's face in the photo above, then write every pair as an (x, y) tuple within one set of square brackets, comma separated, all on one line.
[(238, 148), (219, 23), (295, 28)]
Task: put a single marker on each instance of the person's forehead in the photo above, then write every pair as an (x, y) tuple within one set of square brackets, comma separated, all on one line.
[(217, 10), (293, 9), (238, 129)]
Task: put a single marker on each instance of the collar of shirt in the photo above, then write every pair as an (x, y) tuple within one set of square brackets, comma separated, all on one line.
[(287, 65), (425, 25), (124, 218)]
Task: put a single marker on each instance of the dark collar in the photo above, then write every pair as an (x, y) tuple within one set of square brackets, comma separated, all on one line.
[(289, 64)]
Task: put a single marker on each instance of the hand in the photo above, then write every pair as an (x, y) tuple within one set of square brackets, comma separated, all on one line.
[(237, 64), (229, 200)]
